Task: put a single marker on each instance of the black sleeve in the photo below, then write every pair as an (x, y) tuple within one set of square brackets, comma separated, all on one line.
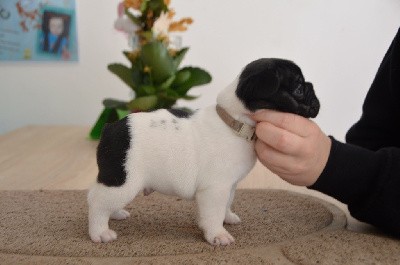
[(379, 125), (365, 172), (367, 181)]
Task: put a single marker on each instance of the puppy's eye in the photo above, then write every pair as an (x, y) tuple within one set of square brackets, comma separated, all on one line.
[(299, 91)]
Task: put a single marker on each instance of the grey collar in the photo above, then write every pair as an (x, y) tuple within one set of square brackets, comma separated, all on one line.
[(241, 129)]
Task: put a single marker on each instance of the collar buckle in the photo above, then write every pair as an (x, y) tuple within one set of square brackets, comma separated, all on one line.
[(241, 129), (247, 132)]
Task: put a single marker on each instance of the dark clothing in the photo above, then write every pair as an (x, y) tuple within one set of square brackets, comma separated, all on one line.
[(365, 172)]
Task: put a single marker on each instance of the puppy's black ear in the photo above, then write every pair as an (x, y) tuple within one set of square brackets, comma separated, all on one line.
[(259, 80)]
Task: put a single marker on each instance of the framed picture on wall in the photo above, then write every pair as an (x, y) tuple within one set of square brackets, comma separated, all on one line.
[(38, 30)]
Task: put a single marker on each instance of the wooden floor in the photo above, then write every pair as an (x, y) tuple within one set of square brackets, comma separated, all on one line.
[(47, 157), (62, 157)]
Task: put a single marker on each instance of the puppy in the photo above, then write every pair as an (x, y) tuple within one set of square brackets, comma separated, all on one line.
[(201, 157)]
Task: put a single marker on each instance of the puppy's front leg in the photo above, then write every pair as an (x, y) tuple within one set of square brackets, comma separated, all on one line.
[(212, 203), (230, 217)]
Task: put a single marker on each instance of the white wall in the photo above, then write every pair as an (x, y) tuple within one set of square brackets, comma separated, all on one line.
[(338, 44)]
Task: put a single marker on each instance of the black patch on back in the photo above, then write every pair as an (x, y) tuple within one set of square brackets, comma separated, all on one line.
[(180, 113), (111, 153)]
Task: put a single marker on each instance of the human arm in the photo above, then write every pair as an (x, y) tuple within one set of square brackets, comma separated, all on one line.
[(365, 172), (367, 181), (374, 146)]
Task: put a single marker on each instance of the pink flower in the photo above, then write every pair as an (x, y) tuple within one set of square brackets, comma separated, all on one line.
[(123, 23), (121, 9)]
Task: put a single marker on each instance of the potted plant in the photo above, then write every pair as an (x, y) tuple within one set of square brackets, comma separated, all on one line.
[(154, 73)]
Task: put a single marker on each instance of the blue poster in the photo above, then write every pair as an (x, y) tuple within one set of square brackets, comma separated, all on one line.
[(38, 30)]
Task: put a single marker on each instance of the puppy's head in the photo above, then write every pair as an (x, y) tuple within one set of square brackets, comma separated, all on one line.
[(276, 84)]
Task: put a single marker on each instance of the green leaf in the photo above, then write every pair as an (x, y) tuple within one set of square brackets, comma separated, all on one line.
[(137, 77), (143, 103), (122, 113), (179, 56), (181, 77), (155, 55), (172, 94), (114, 103), (147, 35), (123, 72), (167, 83), (126, 53), (197, 77), (106, 116), (157, 6), (149, 90), (166, 103), (189, 97), (132, 17), (143, 6)]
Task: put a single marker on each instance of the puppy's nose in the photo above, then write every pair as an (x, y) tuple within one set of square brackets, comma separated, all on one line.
[(314, 108), (315, 104)]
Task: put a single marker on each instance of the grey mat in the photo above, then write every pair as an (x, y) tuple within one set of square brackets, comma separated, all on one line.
[(50, 227)]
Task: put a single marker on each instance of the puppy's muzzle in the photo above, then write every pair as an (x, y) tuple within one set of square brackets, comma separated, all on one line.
[(313, 102), (314, 108)]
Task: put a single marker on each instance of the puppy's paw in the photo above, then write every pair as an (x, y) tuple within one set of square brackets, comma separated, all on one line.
[(232, 219), (223, 239), (106, 236), (120, 215), (147, 191)]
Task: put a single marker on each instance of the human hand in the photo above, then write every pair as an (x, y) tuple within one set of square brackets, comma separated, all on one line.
[(291, 146)]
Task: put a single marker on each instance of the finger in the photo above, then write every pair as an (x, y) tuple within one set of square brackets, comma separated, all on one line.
[(274, 160), (278, 138), (288, 121)]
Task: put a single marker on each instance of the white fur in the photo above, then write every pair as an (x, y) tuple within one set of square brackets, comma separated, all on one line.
[(198, 158)]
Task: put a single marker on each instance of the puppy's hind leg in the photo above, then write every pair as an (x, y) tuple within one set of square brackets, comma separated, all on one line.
[(230, 217), (105, 202), (120, 214)]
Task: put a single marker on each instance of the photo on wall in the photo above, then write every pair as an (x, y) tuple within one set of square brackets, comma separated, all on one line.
[(38, 30)]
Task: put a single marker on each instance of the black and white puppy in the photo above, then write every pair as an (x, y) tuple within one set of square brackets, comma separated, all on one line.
[(200, 157)]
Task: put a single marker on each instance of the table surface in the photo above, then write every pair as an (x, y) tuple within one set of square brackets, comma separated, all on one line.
[(47, 157), (62, 157)]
